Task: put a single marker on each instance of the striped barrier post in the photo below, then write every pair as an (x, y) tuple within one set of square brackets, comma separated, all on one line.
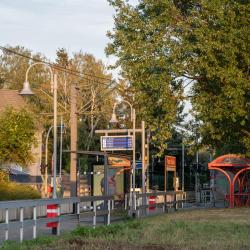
[(52, 212)]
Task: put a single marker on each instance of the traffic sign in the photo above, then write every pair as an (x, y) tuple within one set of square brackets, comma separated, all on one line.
[(116, 143)]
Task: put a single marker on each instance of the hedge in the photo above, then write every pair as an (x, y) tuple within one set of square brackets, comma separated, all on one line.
[(15, 191)]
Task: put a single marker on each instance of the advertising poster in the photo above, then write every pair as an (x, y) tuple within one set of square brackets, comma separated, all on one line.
[(115, 181)]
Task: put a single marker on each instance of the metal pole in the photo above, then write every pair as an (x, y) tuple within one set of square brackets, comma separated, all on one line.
[(143, 162), (46, 162), (196, 175), (55, 135), (73, 141), (148, 161), (134, 163), (61, 145), (106, 186), (183, 165)]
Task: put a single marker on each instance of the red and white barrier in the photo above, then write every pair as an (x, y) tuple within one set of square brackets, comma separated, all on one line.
[(151, 202), (52, 212)]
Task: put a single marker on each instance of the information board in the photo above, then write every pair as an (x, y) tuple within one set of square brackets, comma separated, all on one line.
[(116, 143), (170, 163)]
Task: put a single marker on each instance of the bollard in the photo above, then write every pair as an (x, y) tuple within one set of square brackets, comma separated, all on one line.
[(52, 211)]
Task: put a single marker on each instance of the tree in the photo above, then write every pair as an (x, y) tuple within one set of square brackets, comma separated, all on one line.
[(17, 136), (160, 44), (13, 67), (96, 97), (142, 41), (215, 54)]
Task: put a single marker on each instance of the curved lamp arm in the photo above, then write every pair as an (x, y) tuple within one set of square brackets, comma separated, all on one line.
[(40, 63), (130, 105)]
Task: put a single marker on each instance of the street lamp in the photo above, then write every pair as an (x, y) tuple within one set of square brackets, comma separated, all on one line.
[(133, 117), (26, 91)]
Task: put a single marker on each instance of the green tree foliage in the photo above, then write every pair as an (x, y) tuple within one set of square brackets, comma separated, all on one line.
[(215, 53), (17, 136), (4, 177), (141, 40), (13, 68), (159, 44)]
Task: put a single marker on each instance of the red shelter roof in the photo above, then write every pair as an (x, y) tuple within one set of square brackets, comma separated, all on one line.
[(230, 160)]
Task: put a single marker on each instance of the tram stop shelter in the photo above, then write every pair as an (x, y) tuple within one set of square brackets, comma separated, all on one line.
[(237, 170)]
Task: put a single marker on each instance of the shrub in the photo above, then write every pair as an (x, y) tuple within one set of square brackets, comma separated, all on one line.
[(111, 230), (15, 191), (4, 177)]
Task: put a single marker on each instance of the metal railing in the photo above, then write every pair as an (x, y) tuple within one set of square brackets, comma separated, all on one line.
[(163, 200), (35, 220), (30, 215)]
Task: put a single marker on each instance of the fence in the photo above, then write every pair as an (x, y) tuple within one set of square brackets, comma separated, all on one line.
[(162, 201), (39, 219), (32, 213)]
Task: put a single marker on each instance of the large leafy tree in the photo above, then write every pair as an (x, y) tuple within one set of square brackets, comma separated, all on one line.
[(215, 53), (95, 93), (142, 39), (17, 136), (159, 44)]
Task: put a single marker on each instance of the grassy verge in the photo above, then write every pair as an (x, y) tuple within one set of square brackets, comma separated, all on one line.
[(199, 229)]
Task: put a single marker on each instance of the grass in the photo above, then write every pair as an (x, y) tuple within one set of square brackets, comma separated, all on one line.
[(184, 230)]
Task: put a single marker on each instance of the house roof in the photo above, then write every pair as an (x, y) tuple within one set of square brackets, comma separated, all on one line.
[(11, 98)]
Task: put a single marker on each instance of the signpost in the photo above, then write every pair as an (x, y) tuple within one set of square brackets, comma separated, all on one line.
[(116, 143), (125, 143), (170, 165)]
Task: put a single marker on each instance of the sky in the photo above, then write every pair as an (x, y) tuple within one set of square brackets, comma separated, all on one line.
[(46, 25)]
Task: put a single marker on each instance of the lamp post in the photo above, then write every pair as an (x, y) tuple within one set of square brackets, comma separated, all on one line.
[(27, 91), (133, 118)]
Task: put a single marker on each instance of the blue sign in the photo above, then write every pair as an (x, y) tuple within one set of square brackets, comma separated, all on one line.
[(112, 143), (138, 165)]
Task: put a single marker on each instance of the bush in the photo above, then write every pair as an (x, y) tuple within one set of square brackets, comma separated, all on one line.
[(111, 230), (4, 177), (14, 191)]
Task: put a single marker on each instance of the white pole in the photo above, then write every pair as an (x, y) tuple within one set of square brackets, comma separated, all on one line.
[(134, 163), (46, 162), (55, 135), (196, 175), (143, 164), (61, 145), (183, 165)]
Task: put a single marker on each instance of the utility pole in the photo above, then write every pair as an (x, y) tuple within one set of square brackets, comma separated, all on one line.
[(61, 145), (55, 135), (143, 162), (134, 165), (73, 141), (183, 166), (196, 176), (148, 161)]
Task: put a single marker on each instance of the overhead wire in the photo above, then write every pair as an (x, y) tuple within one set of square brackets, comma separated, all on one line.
[(99, 95), (59, 67)]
